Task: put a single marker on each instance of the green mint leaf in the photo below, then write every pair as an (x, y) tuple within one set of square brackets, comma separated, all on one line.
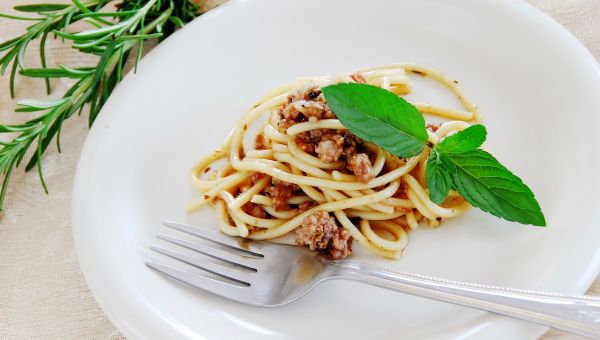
[(378, 116), (438, 177), (488, 185), (466, 140)]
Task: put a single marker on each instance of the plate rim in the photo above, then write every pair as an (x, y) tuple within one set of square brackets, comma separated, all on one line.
[(131, 332)]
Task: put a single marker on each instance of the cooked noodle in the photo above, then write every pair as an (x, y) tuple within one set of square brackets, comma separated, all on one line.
[(377, 213)]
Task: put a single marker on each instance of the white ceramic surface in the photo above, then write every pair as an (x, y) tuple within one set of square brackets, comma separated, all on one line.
[(538, 90)]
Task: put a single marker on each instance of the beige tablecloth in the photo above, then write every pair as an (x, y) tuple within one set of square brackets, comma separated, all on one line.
[(42, 292)]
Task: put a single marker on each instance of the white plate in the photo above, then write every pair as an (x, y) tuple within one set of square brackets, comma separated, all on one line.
[(537, 88)]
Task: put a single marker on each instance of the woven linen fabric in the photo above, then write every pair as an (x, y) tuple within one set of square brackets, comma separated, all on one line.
[(43, 294)]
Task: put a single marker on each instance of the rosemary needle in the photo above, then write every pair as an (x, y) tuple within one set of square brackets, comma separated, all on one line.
[(125, 26)]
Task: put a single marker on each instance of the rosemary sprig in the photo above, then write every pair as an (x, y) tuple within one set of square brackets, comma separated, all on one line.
[(115, 34)]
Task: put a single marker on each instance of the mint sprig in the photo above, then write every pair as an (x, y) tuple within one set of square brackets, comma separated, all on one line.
[(380, 117), (481, 180)]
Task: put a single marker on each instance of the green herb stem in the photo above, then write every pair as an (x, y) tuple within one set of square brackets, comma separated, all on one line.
[(136, 21)]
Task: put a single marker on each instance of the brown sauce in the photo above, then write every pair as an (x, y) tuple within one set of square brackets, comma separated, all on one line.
[(307, 269), (244, 243)]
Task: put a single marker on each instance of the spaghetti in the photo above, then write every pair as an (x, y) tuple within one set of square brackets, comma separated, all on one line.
[(307, 173)]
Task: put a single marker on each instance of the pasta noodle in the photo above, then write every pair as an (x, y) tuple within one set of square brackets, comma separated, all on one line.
[(284, 184)]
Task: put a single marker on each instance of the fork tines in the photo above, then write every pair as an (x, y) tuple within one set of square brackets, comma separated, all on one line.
[(235, 264)]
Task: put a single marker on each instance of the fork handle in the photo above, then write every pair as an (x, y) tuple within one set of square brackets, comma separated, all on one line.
[(575, 314)]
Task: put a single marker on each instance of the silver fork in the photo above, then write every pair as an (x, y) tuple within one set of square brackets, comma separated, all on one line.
[(268, 275)]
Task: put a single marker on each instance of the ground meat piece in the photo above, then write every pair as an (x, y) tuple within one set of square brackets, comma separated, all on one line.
[(261, 142), (432, 127), (256, 177), (251, 180), (358, 77), (306, 205), (290, 116), (319, 231), (313, 94), (307, 141), (254, 210), (361, 167), (286, 123), (290, 112), (316, 230), (307, 92), (304, 103), (330, 148), (350, 145), (329, 151), (304, 142), (280, 193), (341, 245), (310, 108), (329, 114)]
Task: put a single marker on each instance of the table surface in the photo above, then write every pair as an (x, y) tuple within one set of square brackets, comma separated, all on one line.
[(42, 291)]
